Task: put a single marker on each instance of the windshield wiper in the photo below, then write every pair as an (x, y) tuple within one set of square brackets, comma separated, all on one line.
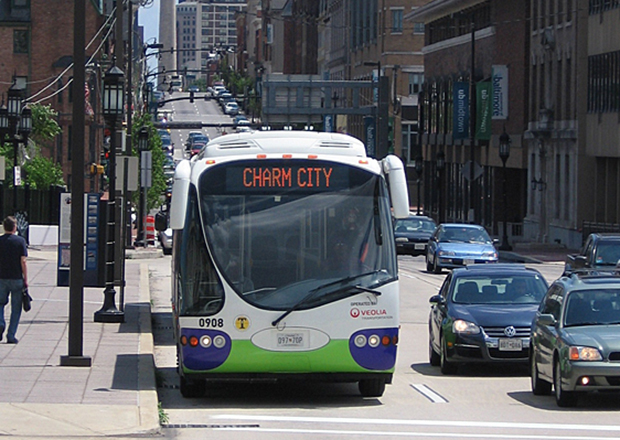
[(345, 280)]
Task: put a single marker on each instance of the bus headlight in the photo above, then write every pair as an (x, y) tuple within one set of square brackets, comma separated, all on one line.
[(360, 341), (205, 341), (219, 341), (374, 341)]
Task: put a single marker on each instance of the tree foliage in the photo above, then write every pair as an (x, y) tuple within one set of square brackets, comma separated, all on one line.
[(156, 193), (40, 171)]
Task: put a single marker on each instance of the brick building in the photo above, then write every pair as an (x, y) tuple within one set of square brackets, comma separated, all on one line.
[(37, 54)]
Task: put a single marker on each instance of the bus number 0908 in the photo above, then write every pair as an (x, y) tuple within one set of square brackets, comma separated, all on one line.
[(211, 322)]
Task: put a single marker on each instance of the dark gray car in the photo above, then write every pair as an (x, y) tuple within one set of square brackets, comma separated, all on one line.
[(575, 344)]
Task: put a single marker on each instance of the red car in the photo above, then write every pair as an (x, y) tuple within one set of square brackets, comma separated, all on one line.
[(196, 148)]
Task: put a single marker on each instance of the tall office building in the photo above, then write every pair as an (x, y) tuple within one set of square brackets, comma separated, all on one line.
[(167, 37), (205, 28)]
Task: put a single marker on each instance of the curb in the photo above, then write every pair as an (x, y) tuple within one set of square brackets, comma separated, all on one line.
[(147, 386)]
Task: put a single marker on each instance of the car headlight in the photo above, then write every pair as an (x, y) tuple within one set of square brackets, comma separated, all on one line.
[(584, 354), (446, 253), (465, 327), (490, 254)]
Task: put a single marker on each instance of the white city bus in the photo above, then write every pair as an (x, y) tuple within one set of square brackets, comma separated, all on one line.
[(284, 263)]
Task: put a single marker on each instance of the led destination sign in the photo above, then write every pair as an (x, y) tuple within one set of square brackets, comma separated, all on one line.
[(287, 177), (282, 176)]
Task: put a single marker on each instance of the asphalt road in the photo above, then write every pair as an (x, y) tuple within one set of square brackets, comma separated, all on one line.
[(479, 402)]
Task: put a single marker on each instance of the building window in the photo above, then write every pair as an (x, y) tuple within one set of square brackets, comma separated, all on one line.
[(418, 28), (397, 21), (603, 82), (20, 41), (415, 83)]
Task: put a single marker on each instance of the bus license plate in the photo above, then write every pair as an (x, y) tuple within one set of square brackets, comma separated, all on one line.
[(510, 344), (291, 340)]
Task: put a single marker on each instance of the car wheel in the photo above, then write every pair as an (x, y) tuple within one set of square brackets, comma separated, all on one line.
[(192, 388), (562, 398), (371, 387), (434, 358), (436, 267), (447, 367), (540, 387), (429, 266)]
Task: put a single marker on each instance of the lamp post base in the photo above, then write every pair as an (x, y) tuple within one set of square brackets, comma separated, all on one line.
[(505, 246), (75, 361), (109, 312)]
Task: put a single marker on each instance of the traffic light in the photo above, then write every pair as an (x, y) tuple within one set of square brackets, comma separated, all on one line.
[(96, 169)]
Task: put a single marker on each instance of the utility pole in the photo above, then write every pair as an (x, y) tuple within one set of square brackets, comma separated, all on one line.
[(471, 215)]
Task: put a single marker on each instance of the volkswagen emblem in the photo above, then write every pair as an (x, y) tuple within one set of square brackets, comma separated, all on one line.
[(510, 331)]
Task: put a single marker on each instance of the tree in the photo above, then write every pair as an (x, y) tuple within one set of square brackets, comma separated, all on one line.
[(156, 193), (40, 171)]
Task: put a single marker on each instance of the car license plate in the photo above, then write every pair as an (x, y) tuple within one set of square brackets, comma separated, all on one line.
[(419, 246), (468, 262), (291, 340), (510, 344)]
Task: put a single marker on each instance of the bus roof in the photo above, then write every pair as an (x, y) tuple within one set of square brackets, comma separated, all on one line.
[(285, 141)]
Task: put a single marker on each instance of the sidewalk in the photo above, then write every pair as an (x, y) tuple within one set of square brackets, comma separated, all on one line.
[(116, 395)]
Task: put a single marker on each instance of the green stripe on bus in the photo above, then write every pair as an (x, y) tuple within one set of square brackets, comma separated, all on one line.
[(246, 357)]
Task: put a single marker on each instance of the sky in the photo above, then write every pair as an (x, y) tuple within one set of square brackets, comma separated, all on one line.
[(148, 17)]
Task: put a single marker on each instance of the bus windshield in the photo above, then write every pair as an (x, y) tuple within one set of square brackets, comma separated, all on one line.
[(278, 229)]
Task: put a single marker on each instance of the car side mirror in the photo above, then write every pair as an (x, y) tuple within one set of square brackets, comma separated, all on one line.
[(161, 221), (547, 319), (580, 262), (437, 299)]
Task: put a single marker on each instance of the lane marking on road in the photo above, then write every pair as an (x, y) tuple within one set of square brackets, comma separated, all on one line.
[(450, 435), (428, 393), (444, 423)]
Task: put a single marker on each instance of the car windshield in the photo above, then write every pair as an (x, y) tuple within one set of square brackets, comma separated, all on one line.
[(494, 288), (592, 307), (200, 139), (464, 234), (414, 225), (607, 253)]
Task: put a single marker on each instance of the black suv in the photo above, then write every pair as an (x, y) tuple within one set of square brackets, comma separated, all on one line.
[(600, 251)]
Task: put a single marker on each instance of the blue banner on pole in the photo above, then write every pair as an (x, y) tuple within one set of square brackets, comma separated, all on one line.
[(369, 129), (461, 111)]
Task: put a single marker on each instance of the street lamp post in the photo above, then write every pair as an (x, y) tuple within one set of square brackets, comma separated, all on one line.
[(4, 131), (504, 154), (143, 145), (113, 103), (441, 164), (419, 169), (14, 107)]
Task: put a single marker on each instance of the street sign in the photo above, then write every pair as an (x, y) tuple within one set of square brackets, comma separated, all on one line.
[(466, 170), (2, 165), (146, 161), (131, 163), (17, 176)]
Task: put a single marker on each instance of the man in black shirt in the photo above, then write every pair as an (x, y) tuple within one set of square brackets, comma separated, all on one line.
[(13, 276)]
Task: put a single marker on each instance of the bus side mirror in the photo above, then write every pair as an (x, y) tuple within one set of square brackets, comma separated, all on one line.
[(395, 170), (180, 195)]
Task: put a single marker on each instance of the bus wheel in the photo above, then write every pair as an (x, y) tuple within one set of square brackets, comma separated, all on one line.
[(371, 387), (192, 388)]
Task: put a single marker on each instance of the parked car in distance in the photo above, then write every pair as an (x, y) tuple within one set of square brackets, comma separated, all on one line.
[(576, 337), (483, 313), (231, 108), (165, 239), (455, 245), (412, 234), (600, 251)]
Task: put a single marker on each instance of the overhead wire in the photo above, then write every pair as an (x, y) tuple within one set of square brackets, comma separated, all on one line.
[(111, 20)]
